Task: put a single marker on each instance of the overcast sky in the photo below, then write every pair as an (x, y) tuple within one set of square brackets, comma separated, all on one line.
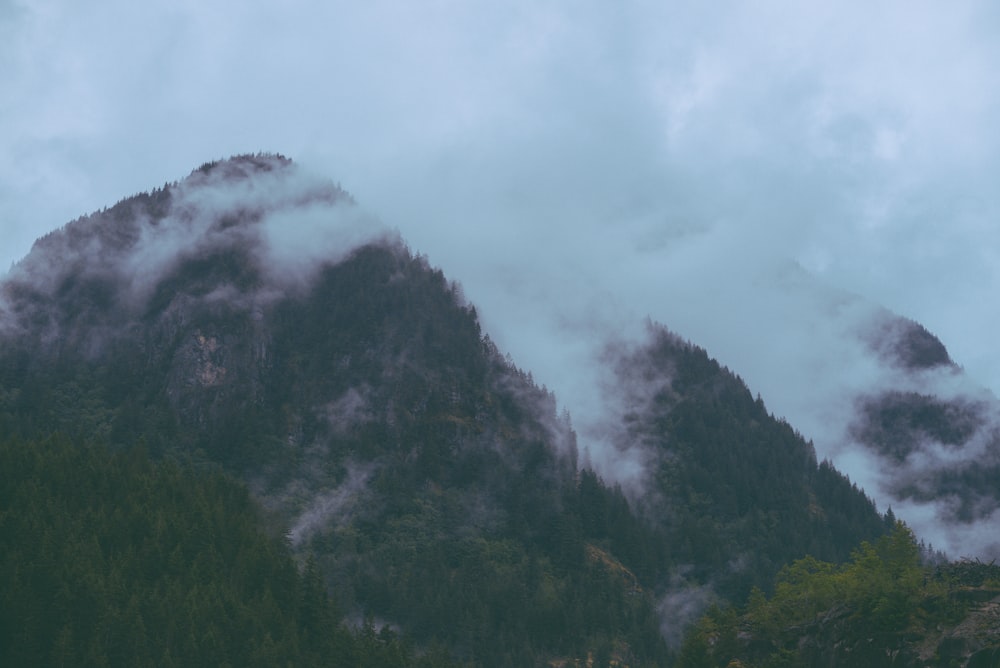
[(576, 166)]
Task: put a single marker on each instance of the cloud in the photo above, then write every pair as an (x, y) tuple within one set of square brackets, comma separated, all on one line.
[(624, 388), (112, 265), (576, 169), (680, 606), (297, 221), (332, 508), (348, 410)]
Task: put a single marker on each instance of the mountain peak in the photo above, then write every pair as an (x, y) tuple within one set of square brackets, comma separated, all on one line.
[(244, 164), (240, 227), (906, 344)]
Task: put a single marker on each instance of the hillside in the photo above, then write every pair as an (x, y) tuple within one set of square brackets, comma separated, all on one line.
[(738, 492), (250, 318), (110, 559)]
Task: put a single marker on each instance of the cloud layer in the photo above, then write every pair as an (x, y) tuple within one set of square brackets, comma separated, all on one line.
[(575, 168)]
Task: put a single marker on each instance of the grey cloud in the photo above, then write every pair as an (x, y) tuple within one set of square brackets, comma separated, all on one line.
[(299, 221), (680, 606), (349, 409), (331, 508), (623, 391)]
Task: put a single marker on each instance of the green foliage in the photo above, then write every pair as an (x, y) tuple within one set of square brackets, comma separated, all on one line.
[(880, 586), (873, 603)]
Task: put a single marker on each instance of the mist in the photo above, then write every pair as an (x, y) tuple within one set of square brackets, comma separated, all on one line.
[(331, 509), (757, 179), (288, 221)]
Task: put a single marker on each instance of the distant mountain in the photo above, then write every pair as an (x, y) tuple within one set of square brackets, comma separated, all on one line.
[(880, 396), (935, 433), (251, 317), (905, 344)]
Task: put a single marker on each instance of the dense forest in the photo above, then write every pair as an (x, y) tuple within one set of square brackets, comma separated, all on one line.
[(738, 492), (110, 559), (212, 463)]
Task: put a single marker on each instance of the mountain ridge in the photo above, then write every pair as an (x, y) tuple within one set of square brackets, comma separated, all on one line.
[(270, 327)]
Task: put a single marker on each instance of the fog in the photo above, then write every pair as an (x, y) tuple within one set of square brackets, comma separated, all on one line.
[(292, 223), (758, 178), (331, 509)]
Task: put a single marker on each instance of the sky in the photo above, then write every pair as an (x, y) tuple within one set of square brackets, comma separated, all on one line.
[(731, 170)]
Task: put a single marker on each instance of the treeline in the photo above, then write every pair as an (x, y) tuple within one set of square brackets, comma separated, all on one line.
[(107, 559)]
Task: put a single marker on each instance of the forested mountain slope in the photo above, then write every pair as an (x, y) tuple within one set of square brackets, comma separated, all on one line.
[(251, 318), (111, 560), (737, 492)]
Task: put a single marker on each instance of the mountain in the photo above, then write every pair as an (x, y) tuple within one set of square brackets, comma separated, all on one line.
[(251, 319), (934, 434), (739, 492)]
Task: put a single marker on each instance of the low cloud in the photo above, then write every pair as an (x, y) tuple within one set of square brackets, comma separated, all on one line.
[(348, 410), (288, 219), (284, 222), (681, 606), (331, 508), (615, 444)]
